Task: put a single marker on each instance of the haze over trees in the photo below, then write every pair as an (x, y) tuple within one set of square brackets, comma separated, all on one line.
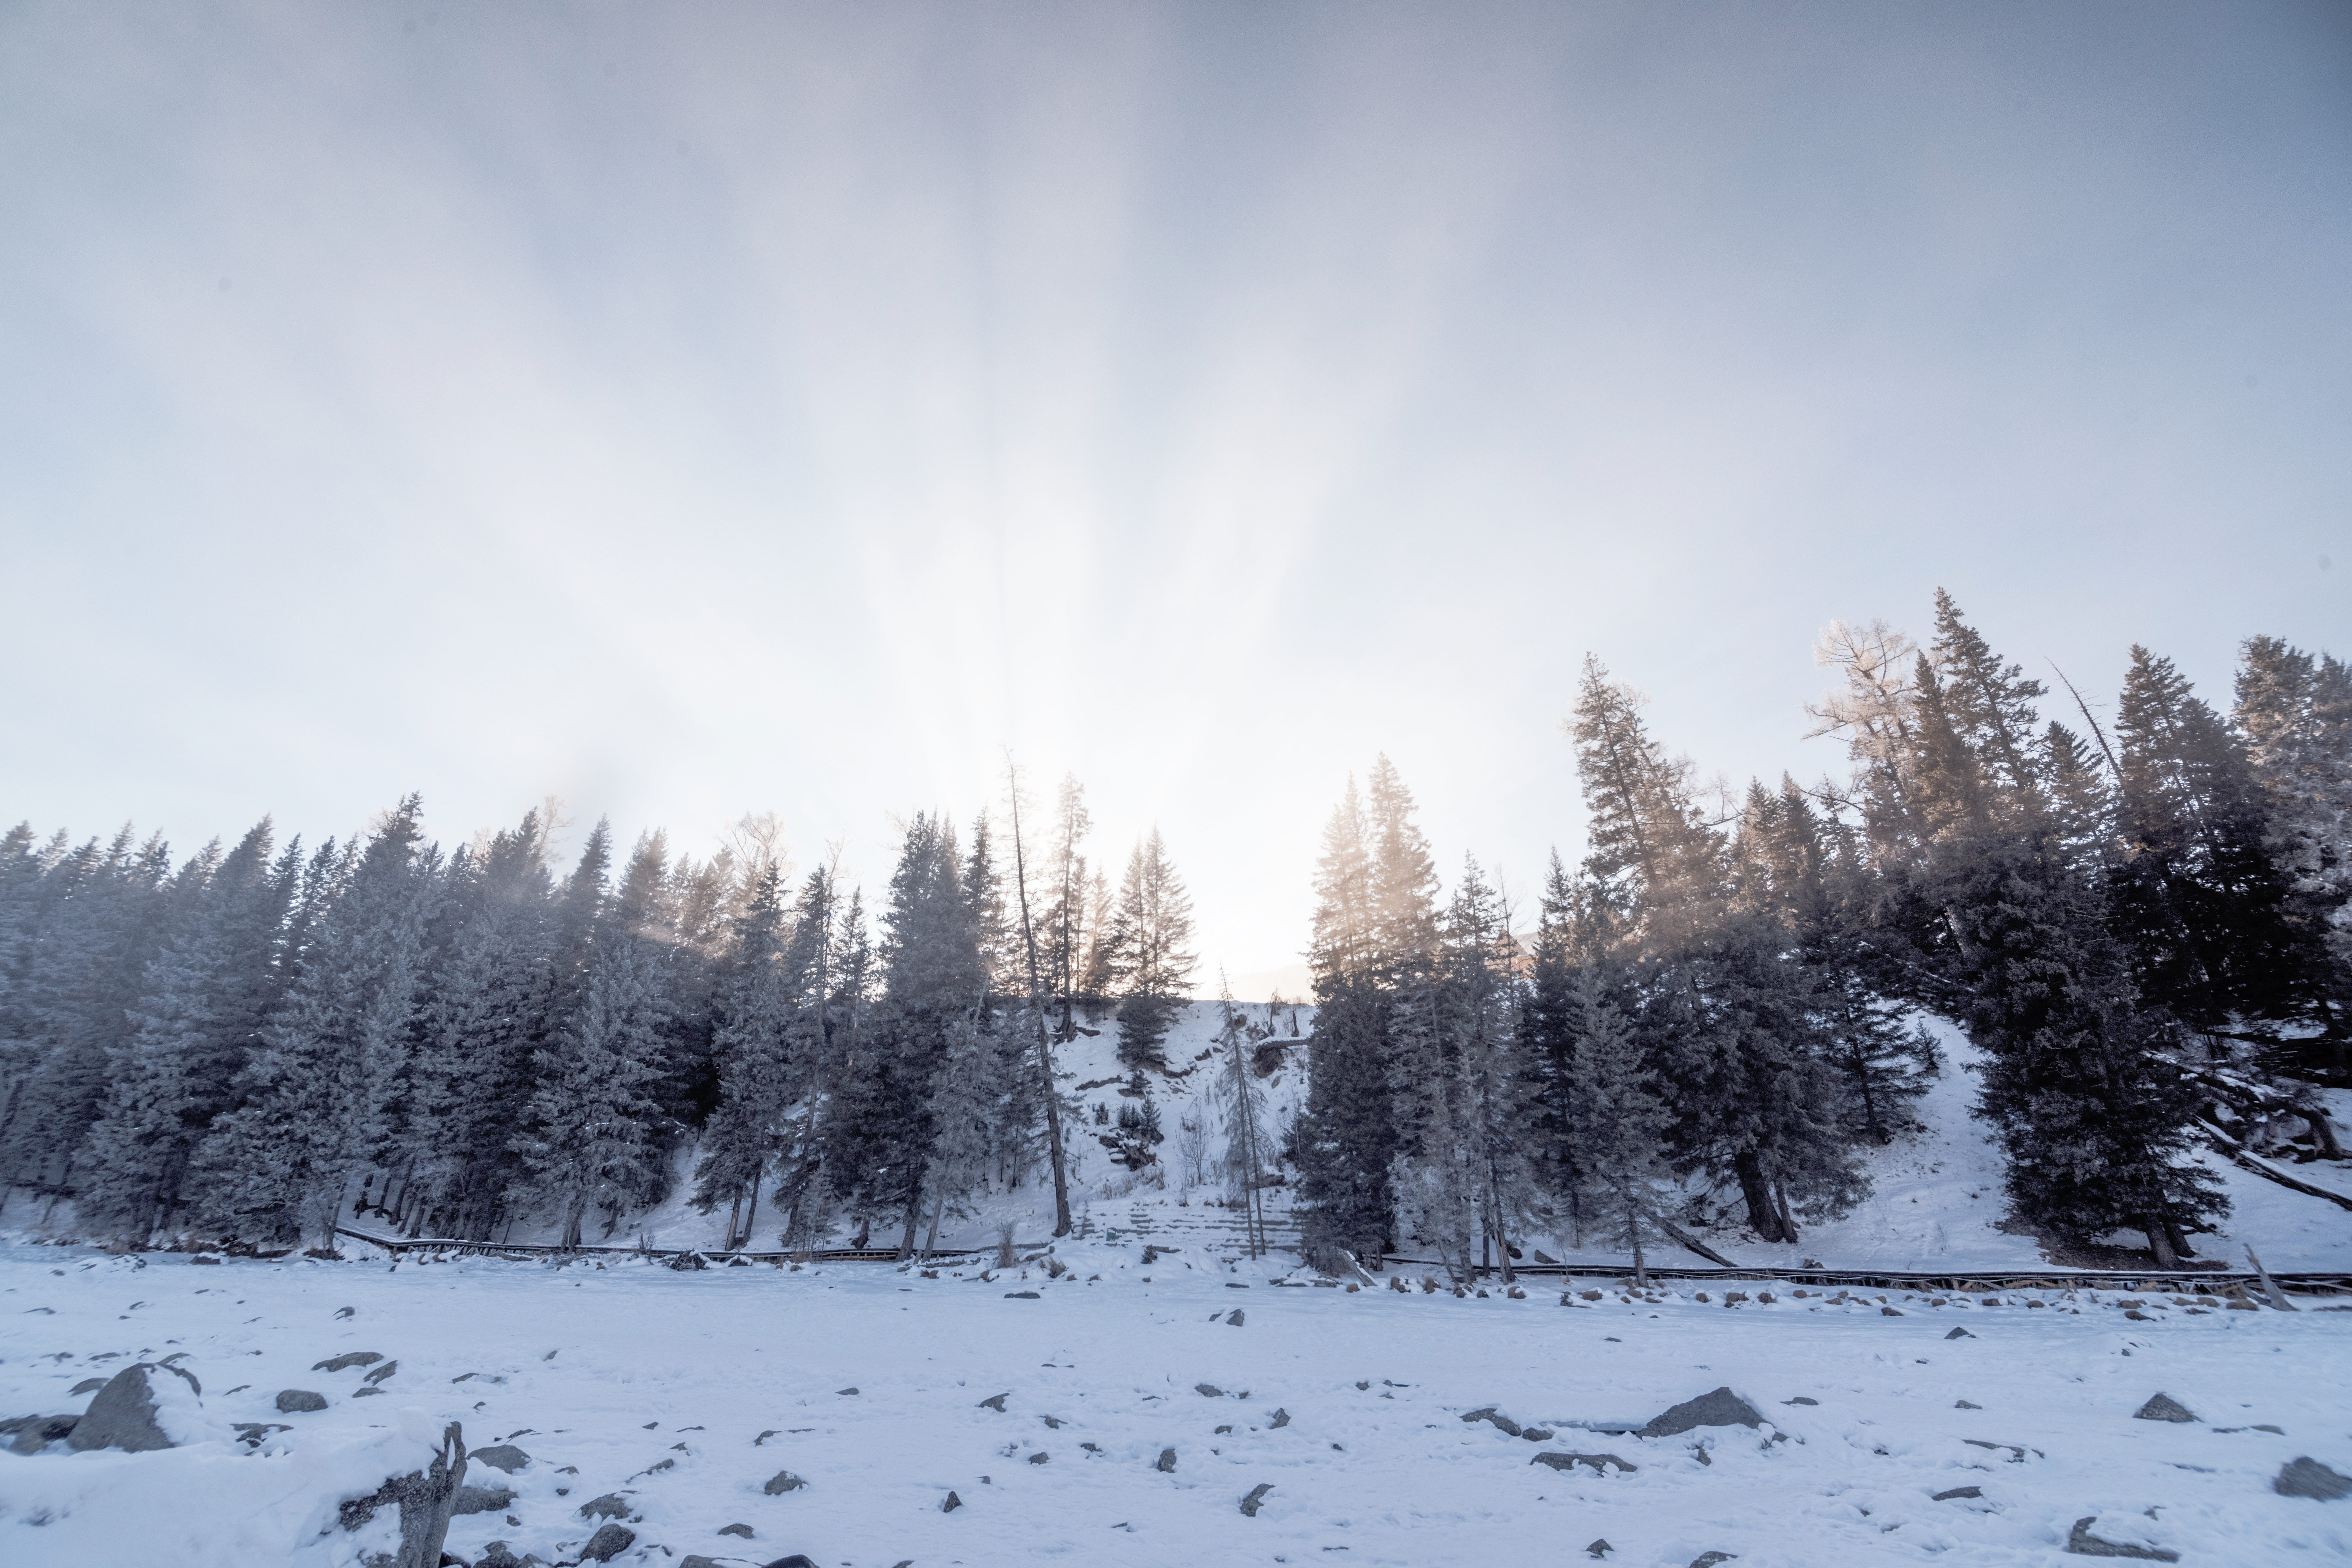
[(1710, 1019)]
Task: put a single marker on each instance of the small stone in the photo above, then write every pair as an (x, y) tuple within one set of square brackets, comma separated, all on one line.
[(380, 1373), (292, 1400), (1257, 1499), (502, 1456), (2083, 1543), (612, 1505), (349, 1359), (696, 1560), (1965, 1404), (995, 1402), (1235, 1317), (31, 1434), (1208, 1391), (783, 1481), (1597, 1463), (1958, 1492), (88, 1386), (1721, 1407), (844, 1390), (1801, 1399), (742, 1529), (2163, 1407), (953, 1503), (1023, 1296), (1053, 1423), (1600, 1548), (610, 1541), (253, 1434), (1166, 1463), (1960, 1334), (1709, 1559), (482, 1500), (1039, 1457), (2308, 1478), (1281, 1419), (364, 1392), (1888, 1312), (1537, 1434)]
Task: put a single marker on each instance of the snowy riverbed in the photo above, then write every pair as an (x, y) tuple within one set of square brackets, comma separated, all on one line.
[(604, 1377)]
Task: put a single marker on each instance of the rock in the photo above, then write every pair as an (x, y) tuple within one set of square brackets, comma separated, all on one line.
[(844, 1390), (2083, 1543), (1598, 1463), (797, 1560), (502, 1457), (1957, 1492), (88, 1386), (995, 1402), (366, 1393), (742, 1529), (1537, 1434), (1888, 1312), (1281, 1419), (126, 1413), (612, 1505), (204, 1257), (482, 1500), (1488, 1412), (1965, 1404), (380, 1373), (253, 1434), (611, 1539), (1719, 1408), (783, 1481), (1235, 1317), (1600, 1548), (1208, 1391), (1257, 1499), (1709, 1559), (1542, 1256), (349, 1359), (2163, 1407), (292, 1401), (424, 1497), (497, 1555), (683, 1262), (953, 1503), (1801, 1399), (1166, 1463), (2308, 1478), (695, 1559), (1960, 1334), (1039, 1457), (1022, 1296), (31, 1434)]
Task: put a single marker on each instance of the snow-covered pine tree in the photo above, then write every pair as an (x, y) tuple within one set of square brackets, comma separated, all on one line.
[(2198, 897), (1346, 1139), (318, 1100), (2295, 712), (1618, 1122), (206, 997), (1242, 1103), (489, 1015), (1990, 706), (1154, 925), (754, 1017), (593, 1138)]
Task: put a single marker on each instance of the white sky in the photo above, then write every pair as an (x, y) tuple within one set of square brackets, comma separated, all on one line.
[(694, 410)]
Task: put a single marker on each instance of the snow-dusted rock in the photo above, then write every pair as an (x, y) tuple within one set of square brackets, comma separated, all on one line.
[(292, 1401), (2308, 1478), (502, 1457), (31, 1434), (348, 1359), (2163, 1407), (1720, 1407), (482, 1500), (609, 1542), (1597, 1463), (1257, 1499), (612, 1505), (783, 1481), (2083, 1543), (137, 1410)]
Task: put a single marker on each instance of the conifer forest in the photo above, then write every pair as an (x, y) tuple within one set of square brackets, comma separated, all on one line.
[(2141, 916)]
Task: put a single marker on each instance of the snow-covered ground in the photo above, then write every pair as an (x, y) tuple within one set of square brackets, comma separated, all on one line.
[(686, 1394)]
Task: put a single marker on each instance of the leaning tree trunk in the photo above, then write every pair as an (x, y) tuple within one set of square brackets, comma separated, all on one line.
[(1762, 1216), (2161, 1244)]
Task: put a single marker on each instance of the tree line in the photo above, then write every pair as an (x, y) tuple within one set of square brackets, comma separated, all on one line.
[(233, 1044), (2132, 919)]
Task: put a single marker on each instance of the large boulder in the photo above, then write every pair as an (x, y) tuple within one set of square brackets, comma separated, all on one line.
[(502, 1457), (294, 1401), (1719, 1408), (424, 1498), (133, 1410), (610, 1541)]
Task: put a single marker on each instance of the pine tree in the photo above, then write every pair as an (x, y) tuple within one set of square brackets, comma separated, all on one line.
[(1248, 1155), (2295, 712), (2094, 1120), (1617, 1122), (1155, 928), (319, 1098), (206, 999), (1348, 1135), (2203, 902), (1990, 708), (754, 1017)]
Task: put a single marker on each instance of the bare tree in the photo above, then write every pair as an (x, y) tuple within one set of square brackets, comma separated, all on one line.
[(1037, 1005)]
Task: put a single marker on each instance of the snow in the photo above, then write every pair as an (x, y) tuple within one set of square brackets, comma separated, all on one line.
[(602, 1374)]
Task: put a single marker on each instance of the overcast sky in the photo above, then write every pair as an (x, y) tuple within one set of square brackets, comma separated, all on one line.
[(690, 410)]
